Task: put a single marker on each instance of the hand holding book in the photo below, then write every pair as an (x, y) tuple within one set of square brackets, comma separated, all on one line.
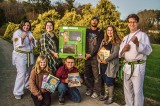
[(102, 61), (74, 79), (50, 83), (66, 80), (103, 54)]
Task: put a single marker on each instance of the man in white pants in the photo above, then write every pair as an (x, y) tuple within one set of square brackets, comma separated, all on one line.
[(22, 57), (134, 49)]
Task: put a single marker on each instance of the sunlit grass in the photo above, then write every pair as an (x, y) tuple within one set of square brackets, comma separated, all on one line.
[(152, 77)]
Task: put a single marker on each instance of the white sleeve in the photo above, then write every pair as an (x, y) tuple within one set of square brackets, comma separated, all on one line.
[(17, 41), (144, 45), (35, 41)]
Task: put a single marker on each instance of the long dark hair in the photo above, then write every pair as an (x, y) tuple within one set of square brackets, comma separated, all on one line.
[(23, 23), (116, 40)]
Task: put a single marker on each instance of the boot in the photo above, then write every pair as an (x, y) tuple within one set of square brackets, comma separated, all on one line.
[(103, 98), (110, 99)]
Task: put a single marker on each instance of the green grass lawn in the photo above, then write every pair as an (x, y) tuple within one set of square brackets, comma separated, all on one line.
[(152, 77)]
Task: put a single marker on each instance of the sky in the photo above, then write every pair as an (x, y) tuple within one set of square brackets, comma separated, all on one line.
[(126, 7)]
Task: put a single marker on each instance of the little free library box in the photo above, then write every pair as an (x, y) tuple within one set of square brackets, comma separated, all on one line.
[(72, 41)]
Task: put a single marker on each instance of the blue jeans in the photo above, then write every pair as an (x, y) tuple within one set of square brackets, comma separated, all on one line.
[(73, 92), (109, 81)]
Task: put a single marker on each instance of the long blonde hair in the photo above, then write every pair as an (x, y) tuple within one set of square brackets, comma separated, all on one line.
[(37, 67)]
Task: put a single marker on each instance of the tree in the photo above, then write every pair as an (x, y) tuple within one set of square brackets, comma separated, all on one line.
[(105, 10), (70, 4), (2, 15), (42, 6), (108, 15), (149, 18), (12, 1), (150, 23), (13, 11), (62, 7)]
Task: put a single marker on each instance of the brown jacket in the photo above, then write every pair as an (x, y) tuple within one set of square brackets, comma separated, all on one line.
[(35, 82)]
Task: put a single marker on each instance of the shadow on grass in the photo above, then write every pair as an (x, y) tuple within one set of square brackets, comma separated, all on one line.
[(118, 92)]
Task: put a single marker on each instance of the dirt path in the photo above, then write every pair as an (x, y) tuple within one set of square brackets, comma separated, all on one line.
[(7, 78)]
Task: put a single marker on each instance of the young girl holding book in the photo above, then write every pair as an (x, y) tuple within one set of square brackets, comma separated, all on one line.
[(39, 95)]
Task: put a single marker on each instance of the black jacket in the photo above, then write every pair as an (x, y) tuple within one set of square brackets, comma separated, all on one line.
[(93, 41)]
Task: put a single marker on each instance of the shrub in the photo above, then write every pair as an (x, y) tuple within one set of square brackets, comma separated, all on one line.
[(10, 30)]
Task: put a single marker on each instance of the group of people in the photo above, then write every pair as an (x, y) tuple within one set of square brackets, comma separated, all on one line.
[(99, 74)]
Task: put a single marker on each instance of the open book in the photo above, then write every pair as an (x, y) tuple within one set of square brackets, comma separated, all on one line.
[(103, 53), (74, 79), (50, 83)]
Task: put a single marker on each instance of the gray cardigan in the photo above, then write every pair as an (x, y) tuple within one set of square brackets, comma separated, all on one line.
[(113, 62)]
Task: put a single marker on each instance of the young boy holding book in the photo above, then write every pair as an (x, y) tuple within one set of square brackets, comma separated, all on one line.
[(39, 95), (63, 87)]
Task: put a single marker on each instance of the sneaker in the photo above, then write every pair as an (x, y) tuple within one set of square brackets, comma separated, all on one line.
[(109, 101), (61, 101), (94, 95), (17, 96), (89, 92), (102, 98)]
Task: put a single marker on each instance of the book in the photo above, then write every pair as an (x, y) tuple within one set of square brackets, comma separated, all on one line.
[(50, 82), (44, 80), (74, 80), (103, 53)]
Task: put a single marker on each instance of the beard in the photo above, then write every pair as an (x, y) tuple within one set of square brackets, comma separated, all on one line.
[(94, 25)]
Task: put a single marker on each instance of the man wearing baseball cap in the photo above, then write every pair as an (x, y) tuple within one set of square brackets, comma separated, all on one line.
[(94, 36), (95, 17)]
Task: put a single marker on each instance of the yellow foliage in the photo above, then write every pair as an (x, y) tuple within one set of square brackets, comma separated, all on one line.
[(105, 10), (10, 30)]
